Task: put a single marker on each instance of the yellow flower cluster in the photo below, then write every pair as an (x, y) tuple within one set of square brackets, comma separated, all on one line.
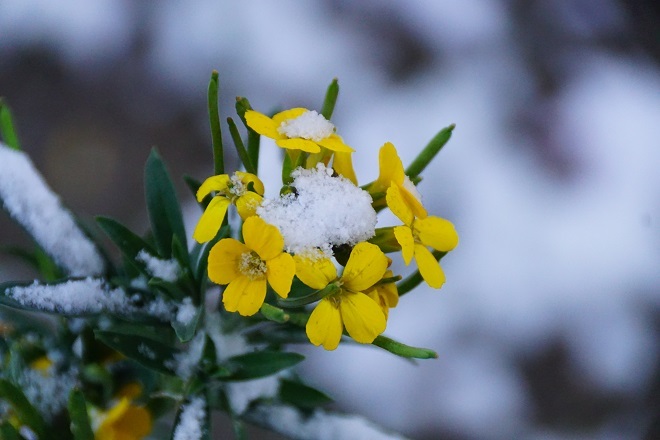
[(356, 300)]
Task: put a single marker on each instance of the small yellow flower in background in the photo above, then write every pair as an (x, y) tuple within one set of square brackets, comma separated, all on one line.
[(228, 189), (249, 267), (350, 307), (419, 231), (386, 295), (42, 364), (298, 129), (124, 421)]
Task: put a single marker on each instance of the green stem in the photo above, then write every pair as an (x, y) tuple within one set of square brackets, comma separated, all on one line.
[(214, 119), (429, 152), (240, 148), (253, 139), (403, 350), (7, 128)]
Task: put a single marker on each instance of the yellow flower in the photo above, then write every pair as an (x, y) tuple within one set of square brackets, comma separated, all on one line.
[(247, 268), (386, 295), (349, 306), (297, 129), (124, 421), (420, 231), (42, 364), (228, 190)]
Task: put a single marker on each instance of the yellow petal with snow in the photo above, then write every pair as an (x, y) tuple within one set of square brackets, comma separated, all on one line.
[(299, 144), (324, 326), (280, 272), (343, 165), (262, 238), (315, 272), (429, 267), (244, 295), (224, 259), (398, 205), (413, 203), (262, 124), (336, 144), (211, 220), (213, 183), (292, 113), (390, 168), (406, 240), (248, 178), (362, 316), (247, 204), (366, 266), (436, 232)]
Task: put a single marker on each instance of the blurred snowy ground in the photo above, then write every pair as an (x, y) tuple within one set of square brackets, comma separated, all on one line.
[(548, 326)]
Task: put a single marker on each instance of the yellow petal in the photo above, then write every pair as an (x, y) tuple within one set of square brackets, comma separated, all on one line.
[(343, 165), (390, 168), (248, 178), (366, 266), (324, 326), (124, 421), (362, 316), (378, 299), (436, 232), (211, 220), (213, 183), (429, 267), (389, 291), (316, 273), (224, 259), (299, 144), (406, 240), (413, 203), (288, 114), (244, 295), (262, 124), (247, 204), (262, 238), (397, 204), (336, 144), (280, 272)]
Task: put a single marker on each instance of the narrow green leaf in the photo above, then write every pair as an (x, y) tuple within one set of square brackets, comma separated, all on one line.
[(301, 395), (291, 161), (186, 331), (214, 120), (403, 350), (194, 184), (274, 314), (413, 280), (7, 128), (171, 290), (151, 354), (8, 432), (162, 205), (240, 148), (260, 364), (429, 152), (25, 412), (330, 99), (80, 426), (308, 299), (254, 139), (129, 243)]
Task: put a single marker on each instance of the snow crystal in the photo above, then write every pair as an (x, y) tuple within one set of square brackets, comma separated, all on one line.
[(185, 362), (48, 393), (186, 311), (326, 211), (27, 433), (310, 125), (191, 421), (167, 270), (146, 351), (31, 203)]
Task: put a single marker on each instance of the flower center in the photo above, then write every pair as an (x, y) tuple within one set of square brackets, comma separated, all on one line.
[(236, 187), (310, 125), (252, 266)]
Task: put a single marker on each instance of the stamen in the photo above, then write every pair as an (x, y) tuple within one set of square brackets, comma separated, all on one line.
[(236, 186), (310, 125), (252, 266)]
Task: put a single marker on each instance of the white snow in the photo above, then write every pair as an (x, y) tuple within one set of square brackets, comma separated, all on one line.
[(310, 125), (191, 421), (48, 393), (184, 362), (167, 270), (326, 211), (31, 203), (186, 311)]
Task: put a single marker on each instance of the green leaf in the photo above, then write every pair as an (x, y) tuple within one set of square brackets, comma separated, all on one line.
[(253, 140), (129, 243), (149, 353), (403, 350), (80, 426), (25, 412), (162, 205), (330, 99), (7, 128), (214, 120), (260, 364), (8, 432), (292, 160), (186, 331), (171, 290), (301, 395), (428, 153), (240, 148)]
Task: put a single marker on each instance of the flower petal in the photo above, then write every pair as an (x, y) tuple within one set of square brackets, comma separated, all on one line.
[(213, 183), (366, 266), (324, 326), (343, 165), (362, 316), (262, 124), (248, 178), (292, 113), (211, 220), (436, 232), (413, 203), (244, 295), (390, 168), (406, 240), (397, 204), (389, 291), (336, 144), (316, 273), (262, 238), (224, 259), (247, 204), (280, 272), (429, 267), (299, 144)]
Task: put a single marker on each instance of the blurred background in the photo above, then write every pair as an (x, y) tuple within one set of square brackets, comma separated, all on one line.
[(549, 324)]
